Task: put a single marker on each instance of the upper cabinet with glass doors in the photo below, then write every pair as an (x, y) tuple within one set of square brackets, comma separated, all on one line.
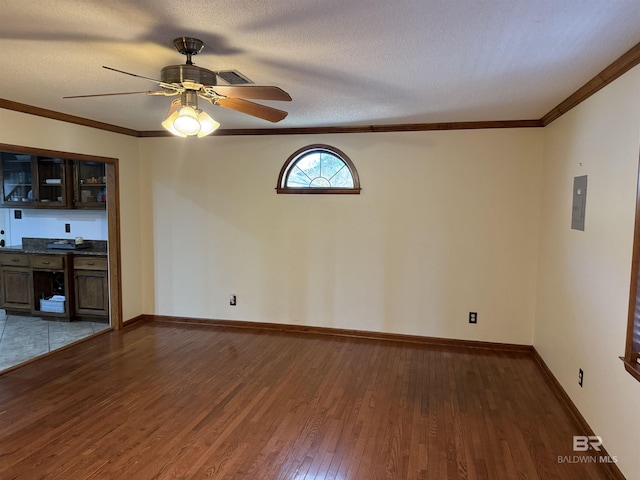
[(30, 181), (17, 179), (89, 185), (51, 180), (35, 181)]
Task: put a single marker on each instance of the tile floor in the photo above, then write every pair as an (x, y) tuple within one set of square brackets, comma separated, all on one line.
[(23, 338)]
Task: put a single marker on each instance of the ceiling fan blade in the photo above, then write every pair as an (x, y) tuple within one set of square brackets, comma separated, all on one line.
[(255, 92), (254, 109), (157, 92), (133, 75)]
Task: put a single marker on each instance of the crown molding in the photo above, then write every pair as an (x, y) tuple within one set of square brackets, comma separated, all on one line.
[(620, 66), (63, 117), (402, 127)]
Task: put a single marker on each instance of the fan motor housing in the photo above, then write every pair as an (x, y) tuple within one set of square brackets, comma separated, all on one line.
[(181, 73)]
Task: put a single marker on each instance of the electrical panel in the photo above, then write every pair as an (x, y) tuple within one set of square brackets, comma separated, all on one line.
[(579, 202)]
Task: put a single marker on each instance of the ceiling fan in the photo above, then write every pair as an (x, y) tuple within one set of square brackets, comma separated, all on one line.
[(184, 118)]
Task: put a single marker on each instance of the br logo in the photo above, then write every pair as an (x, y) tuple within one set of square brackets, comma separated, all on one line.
[(583, 443)]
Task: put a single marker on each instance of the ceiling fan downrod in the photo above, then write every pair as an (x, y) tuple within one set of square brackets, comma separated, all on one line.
[(188, 46), (189, 98)]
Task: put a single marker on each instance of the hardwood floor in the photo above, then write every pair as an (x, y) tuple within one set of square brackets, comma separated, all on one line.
[(168, 401)]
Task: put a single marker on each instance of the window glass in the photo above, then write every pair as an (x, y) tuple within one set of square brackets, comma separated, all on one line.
[(318, 169)]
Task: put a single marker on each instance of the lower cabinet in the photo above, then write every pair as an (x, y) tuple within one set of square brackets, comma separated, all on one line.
[(51, 278), (16, 289), (29, 280), (91, 286)]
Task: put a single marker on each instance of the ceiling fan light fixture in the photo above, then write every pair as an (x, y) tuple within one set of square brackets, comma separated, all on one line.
[(207, 124), (186, 122), (172, 114)]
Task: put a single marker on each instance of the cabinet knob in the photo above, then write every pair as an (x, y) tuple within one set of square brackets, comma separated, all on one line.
[(46, 263), (15, 260), (90, 263)]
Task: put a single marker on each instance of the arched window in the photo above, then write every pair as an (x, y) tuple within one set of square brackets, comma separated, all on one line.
[(318, 169)]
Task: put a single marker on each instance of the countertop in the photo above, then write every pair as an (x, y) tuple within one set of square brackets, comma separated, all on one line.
[(39, 246)]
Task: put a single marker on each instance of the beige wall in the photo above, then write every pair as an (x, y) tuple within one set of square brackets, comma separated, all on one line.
[(583, 286), (447, 223), (31, 131)]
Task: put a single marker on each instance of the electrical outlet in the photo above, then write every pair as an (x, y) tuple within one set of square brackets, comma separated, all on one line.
[(473, 317), (580, 377), (67, 227), (232, 300), (17, 214)]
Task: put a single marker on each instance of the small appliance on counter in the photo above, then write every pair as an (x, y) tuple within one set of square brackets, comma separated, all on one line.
[(76, 244)]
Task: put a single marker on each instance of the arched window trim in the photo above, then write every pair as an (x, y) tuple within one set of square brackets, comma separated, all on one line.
[(295, 156)]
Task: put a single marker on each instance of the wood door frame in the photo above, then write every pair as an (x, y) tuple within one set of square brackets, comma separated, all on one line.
[(113, 220)]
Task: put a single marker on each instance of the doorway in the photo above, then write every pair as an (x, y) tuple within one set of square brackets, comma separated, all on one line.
[(112, 276)]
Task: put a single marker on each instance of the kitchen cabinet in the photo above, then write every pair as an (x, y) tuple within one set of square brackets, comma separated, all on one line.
[(17, 175), (91, 286), (75, 275), (29, 280), (36, 181), (89, 185), (33, 181), (51, 182), (17, 287), (51, 276)]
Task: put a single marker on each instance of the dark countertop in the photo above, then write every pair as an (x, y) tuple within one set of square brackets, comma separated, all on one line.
[(39, 246)]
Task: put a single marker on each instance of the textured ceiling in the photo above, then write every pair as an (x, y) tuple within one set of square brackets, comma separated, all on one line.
[(344, 62)]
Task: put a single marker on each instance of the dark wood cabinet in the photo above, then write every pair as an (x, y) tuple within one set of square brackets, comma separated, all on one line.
[(16, 283), (33, 181), (51, 182), (51, 277), (89, 185), (17, 179), (91, 286), (31, 282), (36, 181), (15, 274)]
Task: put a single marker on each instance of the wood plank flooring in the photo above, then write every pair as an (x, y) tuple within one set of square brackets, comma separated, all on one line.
[(177, 401)]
